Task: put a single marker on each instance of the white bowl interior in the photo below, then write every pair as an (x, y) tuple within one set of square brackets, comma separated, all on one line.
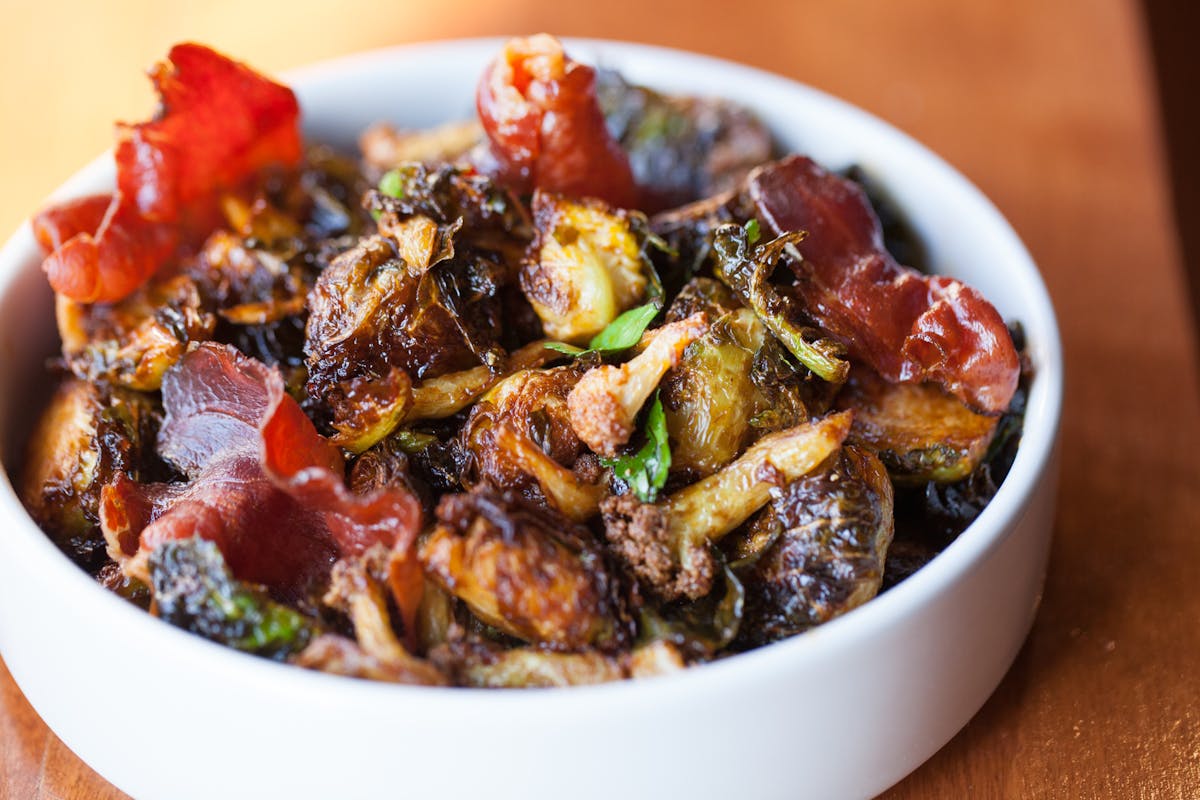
[(425, 84)]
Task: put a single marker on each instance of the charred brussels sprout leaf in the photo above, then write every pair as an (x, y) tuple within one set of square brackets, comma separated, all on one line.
[(680, 148), (445, 193), (919, 431), (88, 435), (194, 590), (747, 270), (701, 626), (826, 540), (646, 470)]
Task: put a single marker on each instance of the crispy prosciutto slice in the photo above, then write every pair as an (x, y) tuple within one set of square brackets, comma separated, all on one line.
[(219, 123), (262, 483), (545, 126), (908, 326)]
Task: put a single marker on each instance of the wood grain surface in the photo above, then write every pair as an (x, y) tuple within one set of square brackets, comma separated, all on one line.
[(1048, 106)]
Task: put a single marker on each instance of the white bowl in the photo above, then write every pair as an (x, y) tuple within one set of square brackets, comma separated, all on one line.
[(843, 711)]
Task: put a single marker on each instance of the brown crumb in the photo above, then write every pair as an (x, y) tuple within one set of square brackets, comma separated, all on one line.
[(637, 535)]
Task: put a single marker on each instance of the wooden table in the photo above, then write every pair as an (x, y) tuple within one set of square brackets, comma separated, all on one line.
[(1048, 106)]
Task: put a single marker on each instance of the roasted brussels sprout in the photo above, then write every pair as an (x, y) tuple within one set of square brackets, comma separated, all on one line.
[(85, 437), (420, 301), (681, 148), (367, 336), (920, 432), (492, 220), (359, 587), (667, 545), (534, 402), (194, 590), (528, 572), (747, 268), (249, 283), (831, 531), (519, 436), (587, 264), (714, 401), (133, 342)]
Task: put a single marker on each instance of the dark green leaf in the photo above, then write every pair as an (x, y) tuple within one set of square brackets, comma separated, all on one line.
[(646, 470)]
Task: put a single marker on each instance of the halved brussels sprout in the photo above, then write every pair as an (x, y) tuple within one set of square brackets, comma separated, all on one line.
[(527, 571), (87, 435), (519, 437), (710, 398), (920, 432), (133, 342), (587, 264), (832, 529)]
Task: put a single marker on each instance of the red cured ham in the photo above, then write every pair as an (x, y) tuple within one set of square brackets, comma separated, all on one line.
[(908, 326), (219, 124), (263, 484), (545, 126)]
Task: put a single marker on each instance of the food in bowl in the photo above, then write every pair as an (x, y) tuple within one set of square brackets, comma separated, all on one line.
[(595, 387)]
